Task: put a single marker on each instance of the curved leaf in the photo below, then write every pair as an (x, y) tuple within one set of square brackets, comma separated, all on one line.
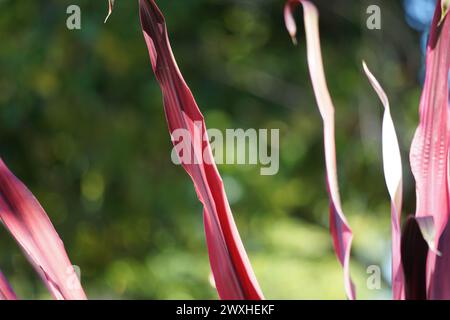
[(429, 154), (340, 230), (392, 164), (233, 274), (28, 223)]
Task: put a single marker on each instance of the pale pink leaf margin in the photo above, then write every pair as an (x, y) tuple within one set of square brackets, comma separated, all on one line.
[(340, 230)]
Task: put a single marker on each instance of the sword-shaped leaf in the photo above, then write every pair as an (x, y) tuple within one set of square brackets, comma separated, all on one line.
[(233, 274), (430, 155), (340, 230), (28, 223), (392, 165)]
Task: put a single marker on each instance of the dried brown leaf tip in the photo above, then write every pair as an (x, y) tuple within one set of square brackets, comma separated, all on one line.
[(110, 9)]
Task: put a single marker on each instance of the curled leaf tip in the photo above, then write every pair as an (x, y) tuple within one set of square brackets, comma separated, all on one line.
[(110, 9), (294, 40), (365, 67), (428, 231), (290, 22)]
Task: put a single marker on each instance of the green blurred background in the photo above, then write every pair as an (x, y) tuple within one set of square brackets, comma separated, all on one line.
[(82, 124)]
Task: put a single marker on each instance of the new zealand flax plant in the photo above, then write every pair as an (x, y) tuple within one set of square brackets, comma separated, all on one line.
[(418, 271), (420, 252)]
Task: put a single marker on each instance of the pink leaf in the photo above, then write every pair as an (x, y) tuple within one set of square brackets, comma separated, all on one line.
[(6, 292), (392, 164), (28, 223), (340, 230), (233, 274), (428, 230), (429, 154)]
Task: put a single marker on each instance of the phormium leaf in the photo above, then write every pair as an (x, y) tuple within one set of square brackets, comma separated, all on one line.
[(28, 223), (110, 9), (392, 165), (340, 230), (430, 154), (233, 274)]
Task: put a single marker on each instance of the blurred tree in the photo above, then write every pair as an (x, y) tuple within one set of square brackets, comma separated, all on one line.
[(81, 123)]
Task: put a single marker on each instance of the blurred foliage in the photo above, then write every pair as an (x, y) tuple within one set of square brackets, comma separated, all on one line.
[(82, 124)]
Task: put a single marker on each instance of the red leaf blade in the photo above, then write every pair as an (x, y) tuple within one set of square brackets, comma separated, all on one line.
[(28, 223), (233, 274)]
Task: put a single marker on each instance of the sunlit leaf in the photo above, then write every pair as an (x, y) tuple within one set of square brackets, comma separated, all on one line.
[(392, 164), (233, 274), (430, 155), (24, 218), (110, 9), (340, 230)]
